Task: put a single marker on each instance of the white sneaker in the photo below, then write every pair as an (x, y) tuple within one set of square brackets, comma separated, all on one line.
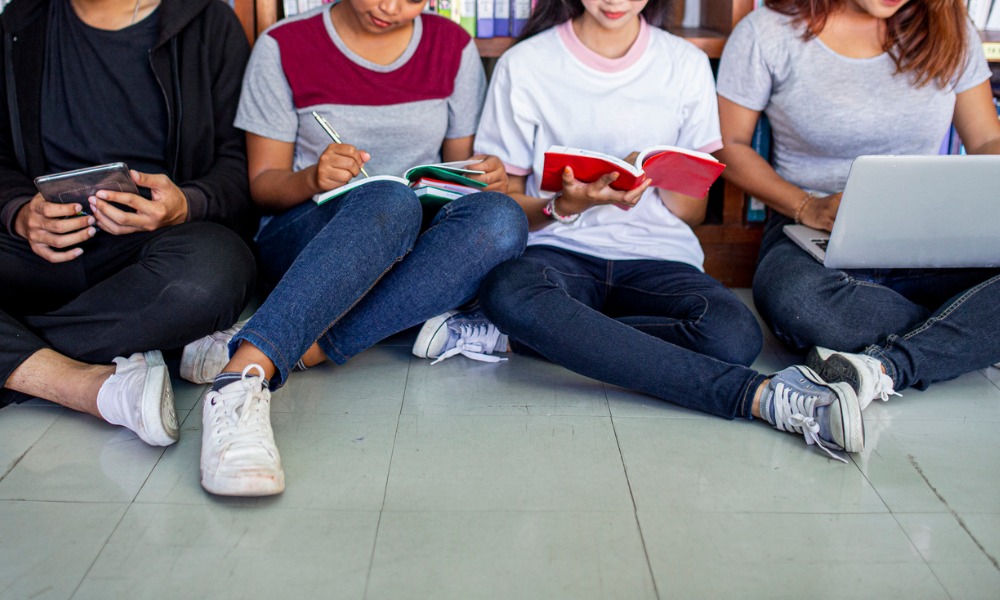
[(826, 414), (238, 454), (139, 396), (862, 372), (205, 358), (470, 334)]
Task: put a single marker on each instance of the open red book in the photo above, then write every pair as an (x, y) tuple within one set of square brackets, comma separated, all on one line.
[(680, 170)]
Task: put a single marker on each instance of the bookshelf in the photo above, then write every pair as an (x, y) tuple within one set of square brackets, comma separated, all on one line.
[(730, 243)]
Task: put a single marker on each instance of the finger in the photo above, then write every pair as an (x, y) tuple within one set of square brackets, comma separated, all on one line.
[(55, 257), (606, 180), (154, 181), (66, 240), (62, 226), (633, 196), (117, 215), (56, 210), (567, 177), (129, 199)]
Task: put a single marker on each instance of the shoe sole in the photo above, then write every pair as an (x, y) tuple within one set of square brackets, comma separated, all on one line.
[(246, 485), (430, 330), (836, 368), (159, 417), (852, 424)]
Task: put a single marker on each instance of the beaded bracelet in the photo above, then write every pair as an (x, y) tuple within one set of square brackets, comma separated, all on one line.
[(549, 210), (798, 212)]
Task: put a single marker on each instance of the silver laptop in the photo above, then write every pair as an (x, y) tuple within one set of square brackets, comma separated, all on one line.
[(912, 211)]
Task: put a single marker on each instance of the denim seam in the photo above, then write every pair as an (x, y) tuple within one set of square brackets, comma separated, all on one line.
[(270, 345), (951, 308), (753, 384), (697, 320)]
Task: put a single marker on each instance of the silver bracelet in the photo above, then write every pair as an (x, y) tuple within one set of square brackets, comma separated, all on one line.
[(549, 210)]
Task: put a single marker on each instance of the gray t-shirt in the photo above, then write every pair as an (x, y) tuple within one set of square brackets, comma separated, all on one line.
[(400, 113), (826, 109)]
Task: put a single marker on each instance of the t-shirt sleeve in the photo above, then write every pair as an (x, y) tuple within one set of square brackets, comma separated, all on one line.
[(504, 131), (700, 112), (466, 101), (266, 106), (976, 69), (744, 76)]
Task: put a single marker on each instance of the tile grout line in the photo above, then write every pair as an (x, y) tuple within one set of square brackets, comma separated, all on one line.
[(385, 489), (635, 510)]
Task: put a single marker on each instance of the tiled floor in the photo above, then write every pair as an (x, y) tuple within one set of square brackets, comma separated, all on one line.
[(513, 481)]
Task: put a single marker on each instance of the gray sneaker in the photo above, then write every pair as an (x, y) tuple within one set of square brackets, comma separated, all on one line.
[(860, 371), (826, 414), (467, 333)]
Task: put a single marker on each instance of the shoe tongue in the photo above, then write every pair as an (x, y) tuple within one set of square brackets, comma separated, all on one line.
[(823, 420)]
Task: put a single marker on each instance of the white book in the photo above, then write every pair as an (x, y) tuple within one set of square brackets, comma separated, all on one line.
[(993, 23), (979, 12)]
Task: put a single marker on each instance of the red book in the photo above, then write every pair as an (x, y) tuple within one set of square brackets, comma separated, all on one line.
[(680, 170)]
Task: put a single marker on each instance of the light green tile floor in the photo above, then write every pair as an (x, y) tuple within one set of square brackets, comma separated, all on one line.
[(509, 481)]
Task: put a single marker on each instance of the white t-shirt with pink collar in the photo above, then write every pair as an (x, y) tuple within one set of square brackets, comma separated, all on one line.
[(552, 90)]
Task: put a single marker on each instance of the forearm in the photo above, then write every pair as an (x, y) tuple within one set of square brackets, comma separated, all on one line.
[(275, 190), (532, 208), (689, 209), (749, 171)]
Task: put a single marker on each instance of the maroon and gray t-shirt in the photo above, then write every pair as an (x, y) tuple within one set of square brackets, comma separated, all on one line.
[(400, 113)]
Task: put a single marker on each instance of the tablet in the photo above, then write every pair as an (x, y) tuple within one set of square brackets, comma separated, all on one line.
[(76, 186)]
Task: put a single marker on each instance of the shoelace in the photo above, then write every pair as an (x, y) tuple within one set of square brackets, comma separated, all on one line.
[(475, 341), (252, 422), (883, 388), (795, 410)]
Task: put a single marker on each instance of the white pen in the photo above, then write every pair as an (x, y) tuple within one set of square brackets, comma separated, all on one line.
[(330, 132)]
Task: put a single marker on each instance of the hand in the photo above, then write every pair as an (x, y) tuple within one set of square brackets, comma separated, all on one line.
[(820, 213), (578, 196), (495, 174), (167, 206), (48, 226), (338, 164)]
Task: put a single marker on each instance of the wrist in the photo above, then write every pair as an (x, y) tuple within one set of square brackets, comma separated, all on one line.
[(809, 197), (550, 210)]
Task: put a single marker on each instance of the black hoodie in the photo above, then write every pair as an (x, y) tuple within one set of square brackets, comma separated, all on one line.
[(198, 61)]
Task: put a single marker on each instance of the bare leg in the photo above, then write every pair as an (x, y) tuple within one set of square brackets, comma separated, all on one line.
[(51, 376)]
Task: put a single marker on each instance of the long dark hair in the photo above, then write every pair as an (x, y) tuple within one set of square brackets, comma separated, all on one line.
[(926, 37), (548, 13)]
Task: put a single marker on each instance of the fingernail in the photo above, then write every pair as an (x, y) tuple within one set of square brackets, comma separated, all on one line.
[(91, 220), (92, 231), (78, 252)]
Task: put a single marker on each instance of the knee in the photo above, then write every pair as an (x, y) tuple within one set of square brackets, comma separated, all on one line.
[(730, 333), (214, 277), (392, 207), (505, 293), (501, 224)]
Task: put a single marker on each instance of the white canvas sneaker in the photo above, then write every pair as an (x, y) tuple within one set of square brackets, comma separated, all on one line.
[(205, 357), (470, 334), (238, 454), (139, 396), (860, 371)]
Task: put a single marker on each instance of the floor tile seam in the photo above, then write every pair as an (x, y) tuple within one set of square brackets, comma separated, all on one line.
[(388, 474), (18, 460), (954, 514), (101, 551), (635, 508), (923, 558), (85, 502)]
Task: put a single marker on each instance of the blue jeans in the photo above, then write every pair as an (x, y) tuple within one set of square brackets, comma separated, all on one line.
[(663, 328), (358, 269), (924, 325)]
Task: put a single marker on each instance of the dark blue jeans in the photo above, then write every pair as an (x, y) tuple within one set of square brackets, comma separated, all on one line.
[(925, 325), (358, 269), (663, 328)]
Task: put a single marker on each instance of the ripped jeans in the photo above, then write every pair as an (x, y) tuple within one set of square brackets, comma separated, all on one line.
[(924, 325)]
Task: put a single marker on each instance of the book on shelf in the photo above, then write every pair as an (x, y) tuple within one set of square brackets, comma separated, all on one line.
[(979, 12), (455, 175), (520, 10), (467, 16), (676, 169), (501, 18), (484, 18), (756, 210)]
